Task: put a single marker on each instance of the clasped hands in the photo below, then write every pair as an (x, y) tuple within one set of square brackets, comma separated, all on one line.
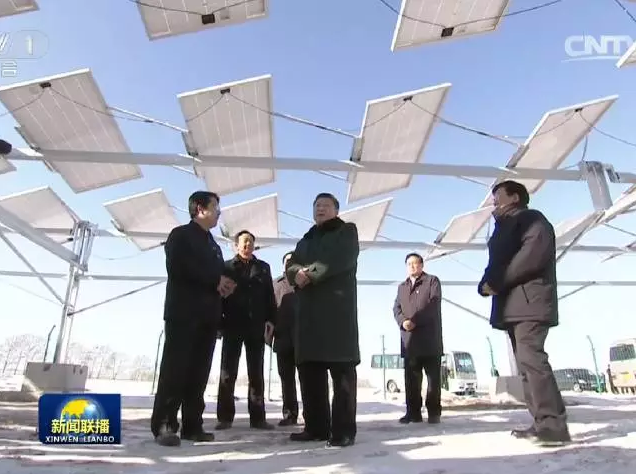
[(301, 280), (226, 286), (408, 325)]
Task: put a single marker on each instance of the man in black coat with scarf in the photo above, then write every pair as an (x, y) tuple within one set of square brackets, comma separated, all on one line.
[(323, 270), (418, 313), (521, 279)]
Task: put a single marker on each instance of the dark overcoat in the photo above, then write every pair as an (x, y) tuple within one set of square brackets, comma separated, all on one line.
[(327, 323), (194, 263), (286, 302), (252, 303), (421, 303), (522, 269)]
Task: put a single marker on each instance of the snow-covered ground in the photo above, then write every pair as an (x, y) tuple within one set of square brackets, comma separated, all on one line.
[(467, 442)]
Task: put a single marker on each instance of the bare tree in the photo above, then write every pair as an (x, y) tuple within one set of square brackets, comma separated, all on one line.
[(141, 368), (115, 364), (17, 350)]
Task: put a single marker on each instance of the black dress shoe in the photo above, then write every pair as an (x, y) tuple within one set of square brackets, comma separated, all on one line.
[(288, 422), (552, 438), (262, 425), (434, 419), (528, 433), (168, 438), (341, 442), (305, 437), (200, 437), (406, 419), (223, 425)]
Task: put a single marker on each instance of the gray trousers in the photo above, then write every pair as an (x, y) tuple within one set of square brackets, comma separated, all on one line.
[(541, 392)]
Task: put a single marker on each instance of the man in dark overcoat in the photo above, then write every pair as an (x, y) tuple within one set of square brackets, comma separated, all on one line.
[(192, 313), (521, 279), (418, 313), (284, 345), (247, 315), (323, 270)]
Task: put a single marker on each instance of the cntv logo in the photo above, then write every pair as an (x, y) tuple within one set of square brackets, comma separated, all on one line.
[(591, 48)]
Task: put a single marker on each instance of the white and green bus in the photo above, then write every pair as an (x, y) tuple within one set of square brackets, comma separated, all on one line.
[(622, 355), (458, 372)]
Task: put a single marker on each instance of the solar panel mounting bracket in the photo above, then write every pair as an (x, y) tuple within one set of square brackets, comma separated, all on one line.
[(597, 183)]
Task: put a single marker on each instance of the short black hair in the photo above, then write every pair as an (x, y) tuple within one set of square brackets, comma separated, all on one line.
[(416, 255), (237, 236), (200, 198), (285, 256), (335, 201), (512, 188)]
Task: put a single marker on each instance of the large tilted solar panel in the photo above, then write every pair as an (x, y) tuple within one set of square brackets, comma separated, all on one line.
[(569, 229), (429, 21), (368, 218), (624, 203), (461, 229), (42, 208), (558, 133), (166, 18), (146, 212), (220, 122), (68, 112), (395, 130), (15, 7), (5, 166), (629, 58), (259, 216)]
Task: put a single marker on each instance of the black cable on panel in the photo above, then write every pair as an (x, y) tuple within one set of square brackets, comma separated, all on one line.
[(505, 15), (627, 12), (23, 106), (207, 18), (608, 135)]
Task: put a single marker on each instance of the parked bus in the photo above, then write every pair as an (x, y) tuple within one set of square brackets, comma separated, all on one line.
[(623, 365), (458, 372)]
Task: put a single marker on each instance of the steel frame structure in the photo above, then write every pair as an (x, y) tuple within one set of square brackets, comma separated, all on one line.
[(597, 175)]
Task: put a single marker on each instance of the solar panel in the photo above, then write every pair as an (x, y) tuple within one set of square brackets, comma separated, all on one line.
[(555, 136), (629, 58), (231, 120), (259, 216), (68, 112), (429, 21), (42, 208), (146, 212), (15, 7), (393, 129), (624, 203), (5, 166), (165, 18), (462, 229), (569, 229), (368, 218)]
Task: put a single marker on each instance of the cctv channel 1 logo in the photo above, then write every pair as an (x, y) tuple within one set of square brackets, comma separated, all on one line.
[(20, 46), (595, 48)]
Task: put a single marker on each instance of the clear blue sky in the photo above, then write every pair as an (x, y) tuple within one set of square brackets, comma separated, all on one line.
[(327, 59)]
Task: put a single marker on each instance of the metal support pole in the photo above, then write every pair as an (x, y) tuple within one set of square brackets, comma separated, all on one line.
[(512, 360), (383, 369), (598, 379), (154, 372), (492, 357), (83, 234), (48, 341), (269, 377)]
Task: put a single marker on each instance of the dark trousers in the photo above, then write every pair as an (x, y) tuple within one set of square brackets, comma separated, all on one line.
[(432, 367), (230, 357), (287, 373), (185, 367), (541, 392), (320, 420)]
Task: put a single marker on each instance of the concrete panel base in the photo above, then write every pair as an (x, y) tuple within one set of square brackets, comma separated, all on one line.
[(62, 378), (507, 390)]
